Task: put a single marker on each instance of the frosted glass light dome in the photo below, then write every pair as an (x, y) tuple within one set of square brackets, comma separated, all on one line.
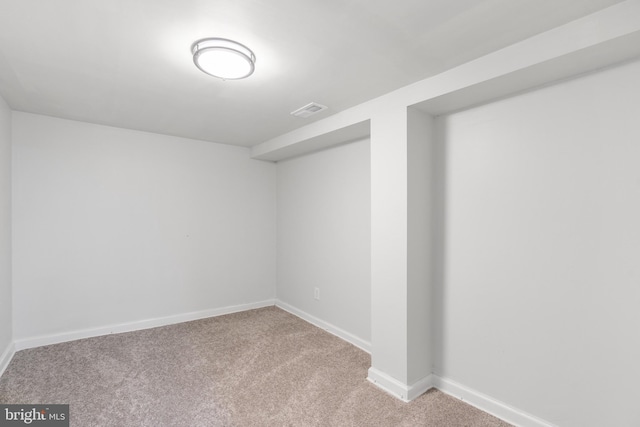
[(223, 58)]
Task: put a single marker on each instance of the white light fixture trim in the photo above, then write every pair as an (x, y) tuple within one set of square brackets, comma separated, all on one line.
[(223, 58)]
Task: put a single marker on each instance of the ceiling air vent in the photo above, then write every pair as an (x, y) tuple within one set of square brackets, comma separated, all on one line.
[(308, 110)]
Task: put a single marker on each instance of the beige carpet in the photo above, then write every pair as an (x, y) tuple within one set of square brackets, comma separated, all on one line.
[(262, 367)]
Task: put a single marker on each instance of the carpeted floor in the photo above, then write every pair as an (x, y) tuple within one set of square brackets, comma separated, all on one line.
[(262, 367)]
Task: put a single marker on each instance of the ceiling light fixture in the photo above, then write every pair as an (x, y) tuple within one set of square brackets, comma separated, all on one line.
[(223, 58)]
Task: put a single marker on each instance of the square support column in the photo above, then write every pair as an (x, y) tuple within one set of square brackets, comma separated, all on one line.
[(401, 251)]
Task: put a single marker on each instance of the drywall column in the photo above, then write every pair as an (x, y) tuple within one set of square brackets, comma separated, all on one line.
[(400, 252), (6, 322), (420, 185)]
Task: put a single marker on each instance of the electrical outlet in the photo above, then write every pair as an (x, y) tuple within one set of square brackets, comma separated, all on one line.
[(316, 293)]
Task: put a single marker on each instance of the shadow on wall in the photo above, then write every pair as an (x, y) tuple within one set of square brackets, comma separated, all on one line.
[(439, 245)]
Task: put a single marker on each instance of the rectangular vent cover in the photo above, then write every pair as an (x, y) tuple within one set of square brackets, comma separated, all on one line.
[(308, 110)]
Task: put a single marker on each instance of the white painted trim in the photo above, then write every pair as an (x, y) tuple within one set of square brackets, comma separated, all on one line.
[(6, 357), (420, 387), (488, 404), (472, 397), (25, 343), (398, 389), (340, 333), (388, 384)]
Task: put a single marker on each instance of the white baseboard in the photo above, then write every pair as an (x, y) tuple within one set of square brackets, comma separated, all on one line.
[(340, 333), (488, 404), (396, 388), (390, 385), (6, 357), (420, 387), (25, 343)]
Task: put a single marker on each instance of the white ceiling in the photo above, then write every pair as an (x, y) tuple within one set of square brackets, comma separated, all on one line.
[(127, 63)]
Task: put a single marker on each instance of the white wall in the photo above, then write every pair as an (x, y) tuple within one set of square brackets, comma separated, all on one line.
[(324, 236), (113, 226), (540, 306), (5, 229)]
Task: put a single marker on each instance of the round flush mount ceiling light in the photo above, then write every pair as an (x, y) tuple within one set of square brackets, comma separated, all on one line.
[(223, 58)]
